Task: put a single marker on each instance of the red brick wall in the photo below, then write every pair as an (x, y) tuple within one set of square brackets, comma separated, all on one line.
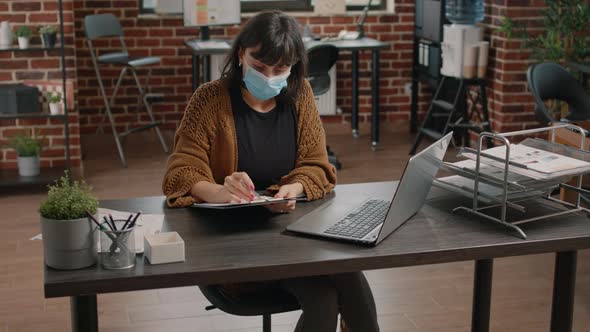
[(165, 36), (39, 65), (509, 101)]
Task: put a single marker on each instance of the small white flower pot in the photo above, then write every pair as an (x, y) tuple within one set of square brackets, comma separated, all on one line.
[(23, 43), (54, 109), (28, 166)]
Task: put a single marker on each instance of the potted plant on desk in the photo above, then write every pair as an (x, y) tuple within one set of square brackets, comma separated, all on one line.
[(48, 35), (54, 99), (69, 236), (23, 33), (27, 149)]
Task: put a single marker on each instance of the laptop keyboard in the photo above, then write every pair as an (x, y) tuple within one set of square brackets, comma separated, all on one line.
[(361, 221)]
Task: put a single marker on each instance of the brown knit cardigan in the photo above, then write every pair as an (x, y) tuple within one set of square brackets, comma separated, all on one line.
[(205, 146)]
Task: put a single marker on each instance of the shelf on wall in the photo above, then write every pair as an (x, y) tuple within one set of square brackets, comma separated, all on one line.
[(32, 116), (34, 48), (11, 178)]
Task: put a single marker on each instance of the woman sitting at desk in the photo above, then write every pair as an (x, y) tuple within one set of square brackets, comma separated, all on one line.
[(258, 128)]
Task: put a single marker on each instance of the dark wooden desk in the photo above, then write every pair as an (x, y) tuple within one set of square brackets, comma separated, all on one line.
[(353, 46), (251, 245)]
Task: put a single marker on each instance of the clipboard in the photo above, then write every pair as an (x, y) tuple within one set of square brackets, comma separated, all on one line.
[(264, 200)]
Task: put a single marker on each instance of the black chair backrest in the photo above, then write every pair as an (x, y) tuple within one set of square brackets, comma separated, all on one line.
[(551, 81), (102, 25), (321, 58)]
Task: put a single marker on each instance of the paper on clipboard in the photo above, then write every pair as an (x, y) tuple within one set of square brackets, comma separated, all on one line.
[(263, 200)]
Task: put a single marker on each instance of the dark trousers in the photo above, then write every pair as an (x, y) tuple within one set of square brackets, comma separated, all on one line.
[(322, 298)]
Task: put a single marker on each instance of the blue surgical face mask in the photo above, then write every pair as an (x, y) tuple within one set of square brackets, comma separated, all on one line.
[(262, 87)]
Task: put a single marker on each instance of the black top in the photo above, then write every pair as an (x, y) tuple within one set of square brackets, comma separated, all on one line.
[(267, 142)]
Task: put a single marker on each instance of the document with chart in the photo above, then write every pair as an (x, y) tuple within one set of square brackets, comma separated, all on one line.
[(532, 162)]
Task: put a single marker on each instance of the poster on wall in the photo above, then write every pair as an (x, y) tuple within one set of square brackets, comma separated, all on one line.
[(211, 12)]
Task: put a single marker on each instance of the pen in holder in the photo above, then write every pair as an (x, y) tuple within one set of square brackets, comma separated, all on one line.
[(117, 243)]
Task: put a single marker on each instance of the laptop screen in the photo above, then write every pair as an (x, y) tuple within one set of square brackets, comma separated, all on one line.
[(414, 186)]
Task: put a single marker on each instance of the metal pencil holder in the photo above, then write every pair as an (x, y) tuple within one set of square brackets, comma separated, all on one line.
[(117, 246)]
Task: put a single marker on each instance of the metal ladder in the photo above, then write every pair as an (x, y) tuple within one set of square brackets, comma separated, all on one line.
[(457, 117)]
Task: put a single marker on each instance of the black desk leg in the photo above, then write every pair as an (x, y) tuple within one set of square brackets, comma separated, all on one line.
[(415, 81), (84, 313), (482, 295), (196, 72), (354, 119), (206, 68), (375, 100), (564, 284)]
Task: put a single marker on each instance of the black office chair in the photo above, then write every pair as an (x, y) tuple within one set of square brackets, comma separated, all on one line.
[(263, 303), (551, 81), (321, 58)]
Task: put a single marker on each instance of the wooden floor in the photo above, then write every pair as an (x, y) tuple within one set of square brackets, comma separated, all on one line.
[(418, 299)]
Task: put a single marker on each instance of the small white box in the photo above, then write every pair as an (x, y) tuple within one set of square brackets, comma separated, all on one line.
[(164, 248)]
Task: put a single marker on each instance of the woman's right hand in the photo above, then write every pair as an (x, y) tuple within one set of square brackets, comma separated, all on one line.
[(236, 188)]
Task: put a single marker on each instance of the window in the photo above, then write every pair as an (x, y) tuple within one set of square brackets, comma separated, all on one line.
[(147, 6)]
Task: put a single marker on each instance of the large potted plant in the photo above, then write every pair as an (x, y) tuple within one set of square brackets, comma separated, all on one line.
[(27, 149), (69, 236), (564, 38), (564, 35)]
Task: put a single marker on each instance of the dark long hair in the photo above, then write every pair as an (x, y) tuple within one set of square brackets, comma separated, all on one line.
[(279, 39)]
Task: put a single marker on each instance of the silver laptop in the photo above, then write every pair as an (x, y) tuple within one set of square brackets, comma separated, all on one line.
[(370, 221)]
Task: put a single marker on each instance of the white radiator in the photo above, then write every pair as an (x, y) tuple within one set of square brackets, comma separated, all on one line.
[(326, 103), (217, 62)]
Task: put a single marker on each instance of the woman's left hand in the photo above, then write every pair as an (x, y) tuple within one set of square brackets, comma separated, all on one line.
[(287, 191)]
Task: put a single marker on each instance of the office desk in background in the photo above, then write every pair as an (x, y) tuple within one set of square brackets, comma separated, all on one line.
[(353, 46), (244, 246)]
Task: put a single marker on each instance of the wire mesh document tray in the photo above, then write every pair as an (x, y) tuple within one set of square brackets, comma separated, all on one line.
[(502, 179)]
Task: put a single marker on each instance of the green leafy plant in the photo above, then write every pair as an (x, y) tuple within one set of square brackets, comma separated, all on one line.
[(67, 200), (24, 32), (564, 37), (25, 145), (47, 29), (53, 98)]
